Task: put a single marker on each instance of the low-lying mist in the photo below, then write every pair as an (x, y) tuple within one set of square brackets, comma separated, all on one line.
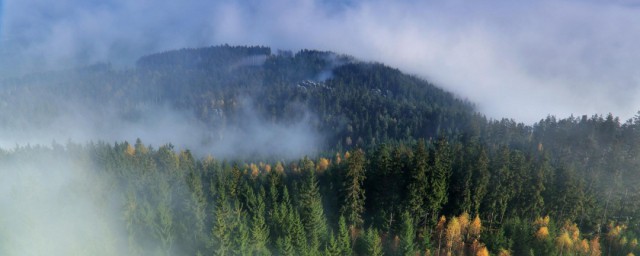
[(252, 136), (53, 204)]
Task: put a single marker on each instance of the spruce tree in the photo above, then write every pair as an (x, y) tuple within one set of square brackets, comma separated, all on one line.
[(373, 242), (311, 210), (407, 236), (354, 195), (344, 240)]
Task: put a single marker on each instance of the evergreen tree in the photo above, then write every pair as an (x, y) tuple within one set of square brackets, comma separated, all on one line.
[(407, 235), (259, 229), (373, 242), (344, 240), (311, 210), (439, 178), (354, 194), (481, 178), (418, 183)]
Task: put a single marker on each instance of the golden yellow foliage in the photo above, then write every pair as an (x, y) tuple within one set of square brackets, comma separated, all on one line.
[(347, 155), (254, 171), (453, 233), (542, 222), (583, 247), (279, 168), (630, 254), (464, 223), (573, 231), (504, 252), (634, 243), (476, 227), (483, 251), (130, 150), (542, 233), (267, 168), (595, 246), (441, 223), (623, 241), (323, 164), (615, 231), (563, 241)]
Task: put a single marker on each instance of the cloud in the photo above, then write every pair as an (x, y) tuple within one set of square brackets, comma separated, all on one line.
[(53, 204), (239, 135), (514, 59)]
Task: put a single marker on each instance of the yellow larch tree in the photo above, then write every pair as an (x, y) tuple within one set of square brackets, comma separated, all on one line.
[(564, 242), (453, 236), (504, 252), (475, 228), (463, 219), (279, 168), (129, 150), (440, 229), (255, 171), (323, 164), (594, 245), (482, 252)]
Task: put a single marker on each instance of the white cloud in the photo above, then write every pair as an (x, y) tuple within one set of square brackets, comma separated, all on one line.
[(514, 59)]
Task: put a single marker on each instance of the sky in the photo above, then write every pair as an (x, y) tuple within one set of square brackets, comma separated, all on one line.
[(516, 59)]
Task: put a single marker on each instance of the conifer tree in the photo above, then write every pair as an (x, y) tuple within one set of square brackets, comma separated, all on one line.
[(373, 242), (418, 183), (407, 235), (311, 210), (344, 240), (439, 178), (259, 228), (354, 194)]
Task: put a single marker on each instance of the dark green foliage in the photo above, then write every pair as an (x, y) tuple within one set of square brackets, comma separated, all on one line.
[(344, 239), (579, 170), (311, 210), (418, 188), (353, 189), (373, 243), (407, 235)]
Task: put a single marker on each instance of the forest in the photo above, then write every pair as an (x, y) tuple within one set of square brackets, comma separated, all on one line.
[(402, 167)]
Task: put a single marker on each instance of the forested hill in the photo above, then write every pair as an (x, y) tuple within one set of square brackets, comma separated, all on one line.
[(347, 102), (307, 153)]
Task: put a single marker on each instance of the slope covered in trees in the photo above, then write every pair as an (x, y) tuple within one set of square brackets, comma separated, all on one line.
[(349, 102), (403, 167)]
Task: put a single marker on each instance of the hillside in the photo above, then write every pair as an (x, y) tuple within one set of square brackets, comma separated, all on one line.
[(347, 102), (246, 151)]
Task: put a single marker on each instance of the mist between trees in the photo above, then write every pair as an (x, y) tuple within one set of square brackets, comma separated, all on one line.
[(395, 165)]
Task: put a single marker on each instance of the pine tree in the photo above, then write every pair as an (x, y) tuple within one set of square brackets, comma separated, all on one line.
[(373, 242), (259, 229), (439, 178), (285, 246), (481, 178), (332, 248), (418, 183), (240, 233), (354, 195), (298, 234), (344, 240), (407, 235), (311, 210), (221, 232)]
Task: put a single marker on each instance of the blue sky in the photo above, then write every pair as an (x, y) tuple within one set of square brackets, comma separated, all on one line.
[(517, 59)]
